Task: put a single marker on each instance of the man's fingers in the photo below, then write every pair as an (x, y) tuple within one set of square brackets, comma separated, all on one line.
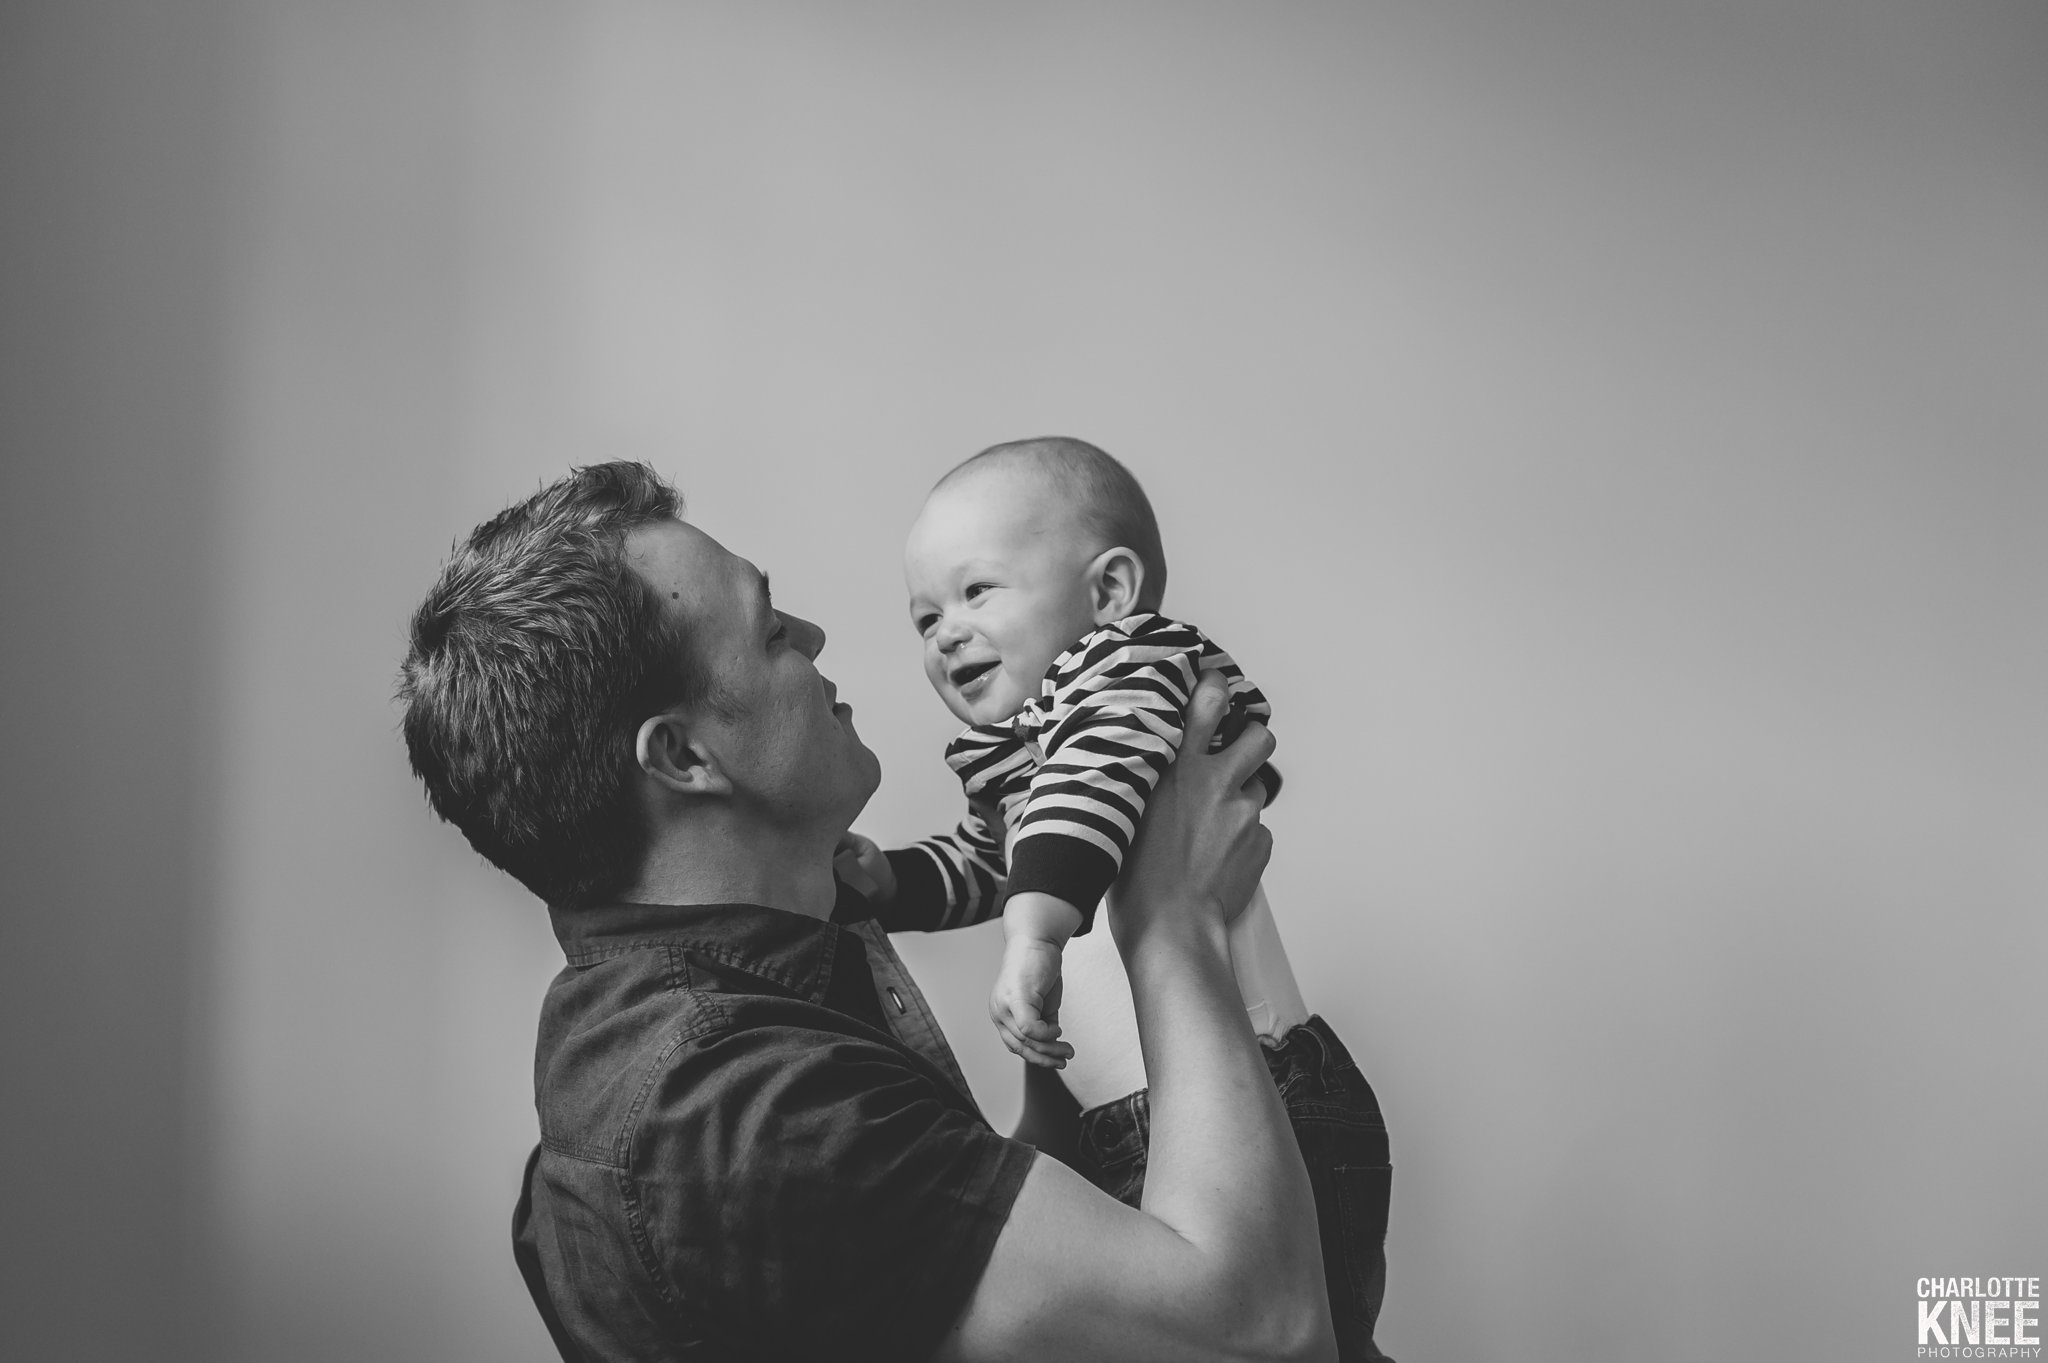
[(1206, 708), (1243, 758), (1247, 750)]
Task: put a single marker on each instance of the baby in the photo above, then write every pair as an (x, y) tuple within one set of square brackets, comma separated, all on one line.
[(1036, 577)]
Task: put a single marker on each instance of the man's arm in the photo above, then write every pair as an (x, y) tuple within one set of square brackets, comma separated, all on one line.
[(1222, 1262)]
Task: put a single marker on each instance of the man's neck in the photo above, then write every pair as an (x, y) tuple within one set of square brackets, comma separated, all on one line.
[(723, 861)]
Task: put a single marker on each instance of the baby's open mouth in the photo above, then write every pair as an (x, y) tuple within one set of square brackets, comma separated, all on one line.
[(966, 675)]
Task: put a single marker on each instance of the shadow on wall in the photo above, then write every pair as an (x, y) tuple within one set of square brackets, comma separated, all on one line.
[(113, 142)]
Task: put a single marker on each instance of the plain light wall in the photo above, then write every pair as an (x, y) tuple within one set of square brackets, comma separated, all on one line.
[(1612, 434)]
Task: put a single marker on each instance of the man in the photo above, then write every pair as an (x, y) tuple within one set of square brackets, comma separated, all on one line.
[(753, 1143)]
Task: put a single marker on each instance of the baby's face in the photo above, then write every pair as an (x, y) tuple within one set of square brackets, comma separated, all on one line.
[(997, 570)]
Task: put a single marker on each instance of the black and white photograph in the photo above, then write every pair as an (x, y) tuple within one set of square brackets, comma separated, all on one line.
[(886, 680)]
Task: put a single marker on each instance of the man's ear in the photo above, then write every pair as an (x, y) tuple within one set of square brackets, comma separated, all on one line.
[(676, 758), (1116, 577)]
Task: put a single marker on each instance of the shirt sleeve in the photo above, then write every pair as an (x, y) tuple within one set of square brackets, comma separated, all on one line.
[(818, 1194), (952, 880), (1109, 726)]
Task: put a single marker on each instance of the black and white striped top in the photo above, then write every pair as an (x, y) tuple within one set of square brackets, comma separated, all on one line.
[(1071, 774)]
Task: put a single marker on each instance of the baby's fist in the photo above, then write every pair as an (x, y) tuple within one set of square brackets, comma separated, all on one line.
[(865, 867), (1025, 1004)]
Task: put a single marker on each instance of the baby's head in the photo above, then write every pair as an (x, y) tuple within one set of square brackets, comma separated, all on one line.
[(1017, 554)]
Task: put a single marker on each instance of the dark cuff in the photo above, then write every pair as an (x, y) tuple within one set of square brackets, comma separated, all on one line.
[(920, 902), (1067, 868)]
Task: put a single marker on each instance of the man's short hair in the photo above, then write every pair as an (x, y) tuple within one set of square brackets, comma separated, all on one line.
[(1102, 492), (531, 665)]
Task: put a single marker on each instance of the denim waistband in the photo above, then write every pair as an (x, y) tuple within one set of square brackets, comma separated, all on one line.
[(1118, 1133)]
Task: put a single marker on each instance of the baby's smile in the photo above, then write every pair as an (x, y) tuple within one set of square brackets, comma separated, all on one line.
[(968, 678), (997, 566)]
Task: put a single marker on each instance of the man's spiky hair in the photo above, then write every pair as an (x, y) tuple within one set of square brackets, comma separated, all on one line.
[(531, 665)]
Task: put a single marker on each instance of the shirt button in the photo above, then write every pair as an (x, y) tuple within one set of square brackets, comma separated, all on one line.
[(896, 999)]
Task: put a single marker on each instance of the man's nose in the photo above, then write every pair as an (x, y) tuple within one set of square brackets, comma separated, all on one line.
[(807, 638)]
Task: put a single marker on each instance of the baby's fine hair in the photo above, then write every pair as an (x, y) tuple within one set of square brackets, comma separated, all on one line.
[(1102, 492)]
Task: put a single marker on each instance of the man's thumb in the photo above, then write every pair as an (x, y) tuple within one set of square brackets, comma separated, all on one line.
[(1205, 709)]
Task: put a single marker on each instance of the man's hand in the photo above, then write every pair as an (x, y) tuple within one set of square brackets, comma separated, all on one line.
[(861, 864), (1201, 848), (1025, 1005)]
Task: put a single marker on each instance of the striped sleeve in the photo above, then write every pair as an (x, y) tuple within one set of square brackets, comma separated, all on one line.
[(1108, 725), (951, 880)]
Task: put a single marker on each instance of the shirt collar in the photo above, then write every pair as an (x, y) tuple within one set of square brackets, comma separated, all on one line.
[(792, 950)]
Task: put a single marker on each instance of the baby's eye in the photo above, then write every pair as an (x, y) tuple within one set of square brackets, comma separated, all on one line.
[(977, 589), (924, 623)]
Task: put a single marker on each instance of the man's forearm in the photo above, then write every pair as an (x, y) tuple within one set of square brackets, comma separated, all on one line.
[(1224, 1170)]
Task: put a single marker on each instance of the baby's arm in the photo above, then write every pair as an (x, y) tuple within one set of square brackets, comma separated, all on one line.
[(1025, 1004), (951, 880)]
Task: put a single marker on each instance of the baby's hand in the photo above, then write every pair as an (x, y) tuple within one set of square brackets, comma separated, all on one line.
[(1025, 1005), (861, 864)]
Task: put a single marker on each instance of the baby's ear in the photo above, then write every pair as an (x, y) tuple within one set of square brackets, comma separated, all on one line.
[(1116, 578)]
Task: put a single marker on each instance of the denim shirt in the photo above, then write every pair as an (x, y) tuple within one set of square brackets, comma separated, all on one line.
[(755, 1144)]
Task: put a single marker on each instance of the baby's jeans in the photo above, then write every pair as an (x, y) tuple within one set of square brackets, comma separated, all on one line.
[(1343, 1138)]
